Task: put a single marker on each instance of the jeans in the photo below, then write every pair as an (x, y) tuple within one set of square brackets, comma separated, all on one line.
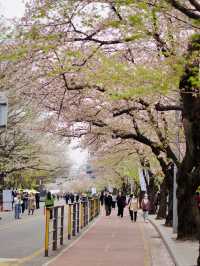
[(145, 215), (17, 211)]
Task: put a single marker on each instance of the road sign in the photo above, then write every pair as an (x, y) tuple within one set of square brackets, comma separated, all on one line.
[(3, 110)]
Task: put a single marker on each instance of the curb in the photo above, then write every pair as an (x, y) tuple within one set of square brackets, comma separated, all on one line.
[(169, 248)]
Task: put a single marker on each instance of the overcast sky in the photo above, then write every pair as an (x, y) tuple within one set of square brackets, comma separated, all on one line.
[(11, 8)]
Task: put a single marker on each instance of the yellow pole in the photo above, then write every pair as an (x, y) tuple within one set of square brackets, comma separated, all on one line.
[(47, 216), (69, 221)]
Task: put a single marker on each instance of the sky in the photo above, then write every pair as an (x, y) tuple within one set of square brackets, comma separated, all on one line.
[(11, 8)]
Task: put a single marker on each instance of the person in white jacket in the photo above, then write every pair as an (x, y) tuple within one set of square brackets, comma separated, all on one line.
[(17, 206)]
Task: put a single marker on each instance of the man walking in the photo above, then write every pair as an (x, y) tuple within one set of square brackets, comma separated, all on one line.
[(108, 204), (37, 200), (121, 203)]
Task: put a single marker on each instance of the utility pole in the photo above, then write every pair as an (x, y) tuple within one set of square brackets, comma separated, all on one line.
[(175, 203)]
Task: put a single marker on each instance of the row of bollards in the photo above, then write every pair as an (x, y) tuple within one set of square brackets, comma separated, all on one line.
[(78, 215)]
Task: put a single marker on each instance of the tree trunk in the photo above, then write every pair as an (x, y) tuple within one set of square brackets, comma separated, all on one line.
[(163, 201), (187, 211), (152, 190), (188, 173), (187, 181)]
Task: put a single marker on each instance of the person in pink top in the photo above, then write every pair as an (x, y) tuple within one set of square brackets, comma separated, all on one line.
[(145, 207)]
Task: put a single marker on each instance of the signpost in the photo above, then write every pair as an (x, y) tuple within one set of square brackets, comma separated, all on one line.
[(3, 111), (7, 200), (143, 174)]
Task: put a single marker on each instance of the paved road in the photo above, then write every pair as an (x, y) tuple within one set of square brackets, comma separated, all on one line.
[(21, 239), (116, 241)]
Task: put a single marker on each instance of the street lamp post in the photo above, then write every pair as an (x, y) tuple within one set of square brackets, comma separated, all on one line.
[(175, 203), (3, 119)]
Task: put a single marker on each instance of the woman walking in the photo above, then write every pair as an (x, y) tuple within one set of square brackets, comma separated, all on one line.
[(31, 204), (145, 207), (133, 207)]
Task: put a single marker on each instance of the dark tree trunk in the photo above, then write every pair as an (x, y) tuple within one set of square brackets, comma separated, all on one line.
[(187, 212), (163, 201), (187, 180), (170, 186), (152, 190)]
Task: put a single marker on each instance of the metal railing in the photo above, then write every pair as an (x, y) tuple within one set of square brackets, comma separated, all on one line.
[(74, 217)]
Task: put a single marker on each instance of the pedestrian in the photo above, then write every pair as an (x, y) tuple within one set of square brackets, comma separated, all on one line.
[(26, 200), (72, 198), (133, 207), (13, 198), (77, 198), (101, 198), (145, 207), (49, 203), (108, 204), (17, 206), (121, 203), (114, 199), (157, 201), (31, 204), (23, 202), (66, 198), (37, 200)]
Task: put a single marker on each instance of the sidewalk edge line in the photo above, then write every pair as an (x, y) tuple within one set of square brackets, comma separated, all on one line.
[(170, 250), (73, 242)]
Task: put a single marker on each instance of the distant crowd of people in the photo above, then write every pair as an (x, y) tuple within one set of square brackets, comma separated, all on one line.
[(24, 201), (132, 202), (74, 197)]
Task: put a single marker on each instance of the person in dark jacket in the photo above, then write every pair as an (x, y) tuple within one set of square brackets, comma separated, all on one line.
[(121, 203), (102, 198), (66, 198), (37, 200), (108, 204), (72, 198)]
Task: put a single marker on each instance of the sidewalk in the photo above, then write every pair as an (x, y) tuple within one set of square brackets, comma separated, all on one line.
[(8, 216), (184, 253), (111, 241)]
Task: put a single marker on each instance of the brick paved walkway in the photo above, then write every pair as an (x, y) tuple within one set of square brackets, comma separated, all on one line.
[(112, 241)]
